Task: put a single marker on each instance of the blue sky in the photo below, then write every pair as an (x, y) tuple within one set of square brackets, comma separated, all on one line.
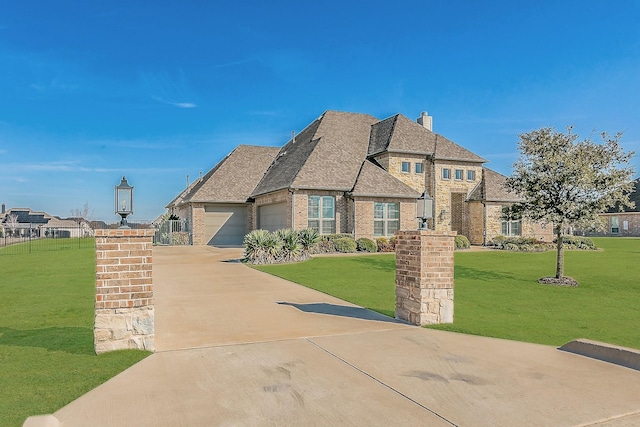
[(156, 90)]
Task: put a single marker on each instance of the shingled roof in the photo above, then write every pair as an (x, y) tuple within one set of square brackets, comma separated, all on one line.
[(492, 188), (233, 179), (373, 181), (398, 134), (327, 155)]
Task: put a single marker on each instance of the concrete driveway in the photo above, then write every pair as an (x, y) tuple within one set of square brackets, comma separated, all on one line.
[(237, 347)]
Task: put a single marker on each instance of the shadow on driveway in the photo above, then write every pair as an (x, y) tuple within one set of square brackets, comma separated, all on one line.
[(341, 310)]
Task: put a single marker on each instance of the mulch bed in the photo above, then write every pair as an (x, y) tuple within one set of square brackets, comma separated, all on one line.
[(565, 281)]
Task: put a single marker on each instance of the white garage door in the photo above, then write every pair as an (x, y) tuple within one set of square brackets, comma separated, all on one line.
[(272, 217), (225, 225)]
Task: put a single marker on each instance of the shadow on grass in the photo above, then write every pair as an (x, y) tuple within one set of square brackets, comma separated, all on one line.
[(69, 339), (486, 276), (341, 310)]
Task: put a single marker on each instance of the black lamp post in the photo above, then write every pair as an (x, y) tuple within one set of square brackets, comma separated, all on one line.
[(424, 210), (124, 201)]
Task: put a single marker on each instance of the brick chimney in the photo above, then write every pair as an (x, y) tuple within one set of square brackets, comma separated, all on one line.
[(426, 120)]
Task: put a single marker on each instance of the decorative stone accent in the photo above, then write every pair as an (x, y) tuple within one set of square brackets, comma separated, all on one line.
[(424, 276), (124, 317)]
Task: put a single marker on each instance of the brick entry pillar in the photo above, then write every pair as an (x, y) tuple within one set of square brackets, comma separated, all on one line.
[(424, 276), (124, 290)]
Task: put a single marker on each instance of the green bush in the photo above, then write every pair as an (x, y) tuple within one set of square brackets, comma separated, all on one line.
[(520, 244), (462, 242), (386, 245), (287, 245), (345, 244), (308, 237), (323, 247), (366, 245), (577, 242)]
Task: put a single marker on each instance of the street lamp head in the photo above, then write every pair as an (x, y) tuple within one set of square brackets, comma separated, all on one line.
[(424, 209), (124, 201)]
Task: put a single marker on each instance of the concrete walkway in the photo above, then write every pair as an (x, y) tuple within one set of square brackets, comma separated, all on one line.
[(238, 347)]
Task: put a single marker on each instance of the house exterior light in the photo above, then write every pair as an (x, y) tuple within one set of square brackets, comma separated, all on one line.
[(124, 201), (424, 209)]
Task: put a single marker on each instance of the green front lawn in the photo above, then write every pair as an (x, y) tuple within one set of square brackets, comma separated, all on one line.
[(497, 294), (46, 333)]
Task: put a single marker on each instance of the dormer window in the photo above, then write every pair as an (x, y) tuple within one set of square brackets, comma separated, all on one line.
[(418, 167), (406, 167)]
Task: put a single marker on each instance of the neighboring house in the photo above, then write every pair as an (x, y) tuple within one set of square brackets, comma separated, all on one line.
[(23, 222), (625, 223), (347, 173)]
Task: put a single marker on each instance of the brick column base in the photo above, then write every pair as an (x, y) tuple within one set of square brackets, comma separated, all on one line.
[(124, 317), (424, 276)]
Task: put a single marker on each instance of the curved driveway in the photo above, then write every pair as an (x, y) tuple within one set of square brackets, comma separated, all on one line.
[(238, 347)]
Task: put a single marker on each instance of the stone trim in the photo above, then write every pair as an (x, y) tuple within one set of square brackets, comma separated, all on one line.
[(424, 276)]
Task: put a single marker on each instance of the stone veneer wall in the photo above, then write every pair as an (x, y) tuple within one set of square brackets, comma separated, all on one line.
[(392, 163), (444, 188), (424, 276), (124, 310)]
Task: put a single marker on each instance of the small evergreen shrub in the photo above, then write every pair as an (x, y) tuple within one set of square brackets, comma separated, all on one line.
[(345, 244), (462, 242), (577, 242), (366, 245), (520, 244), (386, 245), (323, 247)]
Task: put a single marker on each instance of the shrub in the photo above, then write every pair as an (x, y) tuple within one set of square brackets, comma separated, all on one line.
[(386, 245), (366, 245), (462, 242), (290, 249), (577, 242), (520, 244), (345, 244), (323, 247), (307, 238)]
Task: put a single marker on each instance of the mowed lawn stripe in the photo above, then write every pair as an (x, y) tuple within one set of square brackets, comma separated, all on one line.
[(497, 294), (46, 333)]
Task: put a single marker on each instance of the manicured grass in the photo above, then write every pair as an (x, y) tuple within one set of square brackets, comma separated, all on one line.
[(497, 294), (46, 333)]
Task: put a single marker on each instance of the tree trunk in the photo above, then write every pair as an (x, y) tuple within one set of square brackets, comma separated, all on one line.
[(559, 254)]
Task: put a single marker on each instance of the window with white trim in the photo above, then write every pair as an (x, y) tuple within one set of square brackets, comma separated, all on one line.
[(418, 167), (446, 173), (615, 226), (386, 218), (459, 174), (321, 214), (406, 167), (471, 175), (512, 228)]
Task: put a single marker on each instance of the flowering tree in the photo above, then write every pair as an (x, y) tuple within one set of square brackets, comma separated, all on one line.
[(568, 182), (12, 222)]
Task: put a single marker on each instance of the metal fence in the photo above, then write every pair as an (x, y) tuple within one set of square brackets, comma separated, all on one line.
[(172, 233), (28, 238)]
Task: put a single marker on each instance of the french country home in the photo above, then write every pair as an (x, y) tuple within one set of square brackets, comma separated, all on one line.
[(355, 174)]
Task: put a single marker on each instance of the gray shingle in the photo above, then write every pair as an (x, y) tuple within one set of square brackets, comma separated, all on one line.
[(373, 181), (233, 179), (326, 155), (492, 188)]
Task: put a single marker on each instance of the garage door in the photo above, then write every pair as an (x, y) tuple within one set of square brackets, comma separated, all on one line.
[(272, 217), (225, 225)]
